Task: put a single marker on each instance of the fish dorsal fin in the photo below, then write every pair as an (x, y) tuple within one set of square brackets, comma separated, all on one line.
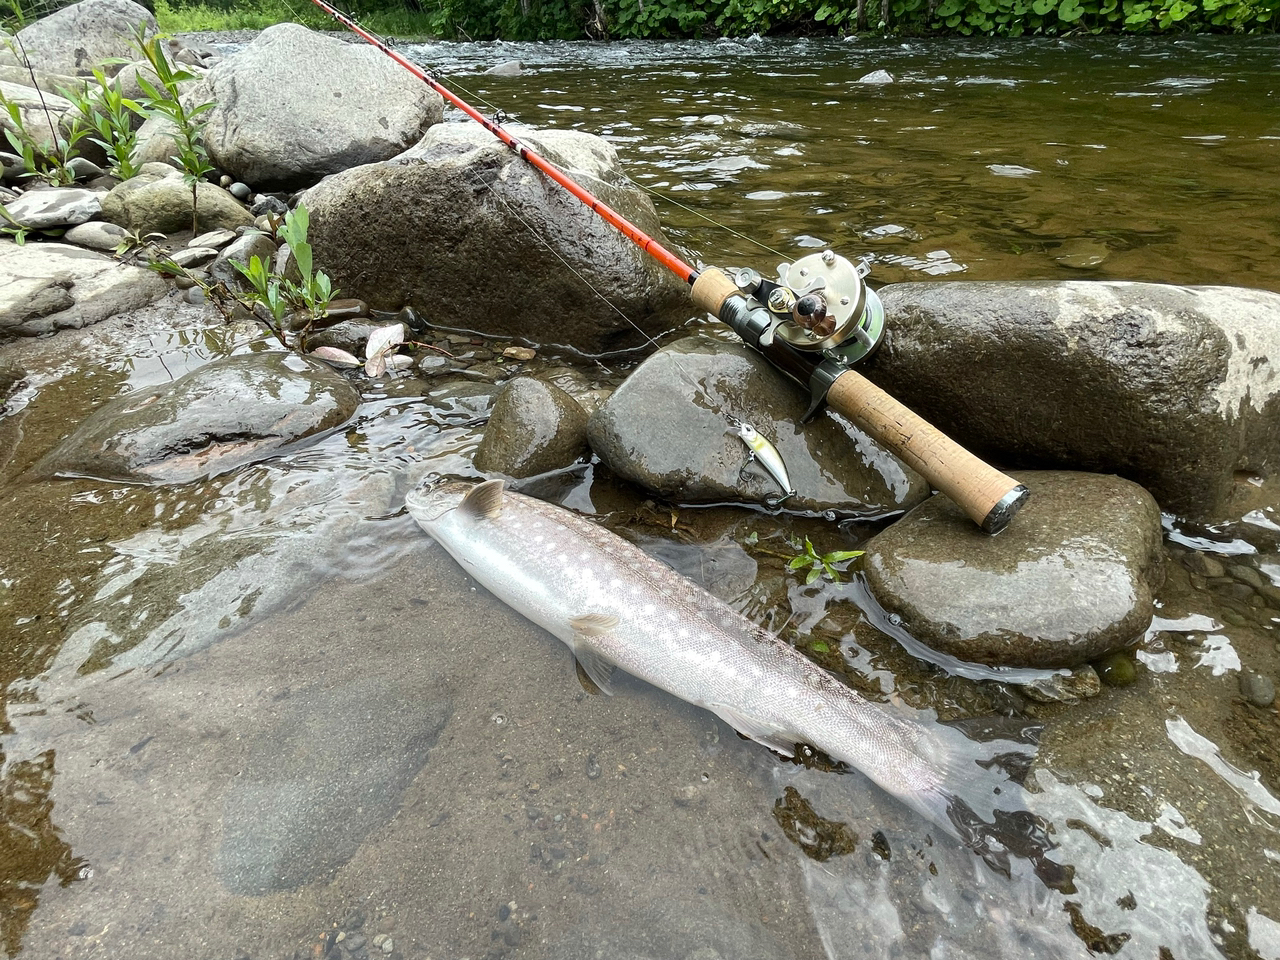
[(761, 731), (484, 501)]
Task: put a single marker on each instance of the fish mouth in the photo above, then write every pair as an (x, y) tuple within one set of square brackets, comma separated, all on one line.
[(436, 496)]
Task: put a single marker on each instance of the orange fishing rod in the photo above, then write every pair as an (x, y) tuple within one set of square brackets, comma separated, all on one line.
[(814, 322), (637, 236)]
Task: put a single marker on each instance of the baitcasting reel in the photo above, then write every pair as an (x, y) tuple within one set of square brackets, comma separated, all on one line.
[(819, 307)]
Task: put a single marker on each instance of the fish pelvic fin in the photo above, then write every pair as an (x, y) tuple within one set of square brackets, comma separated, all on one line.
[(483, 501), (597, 667), (761, 731)]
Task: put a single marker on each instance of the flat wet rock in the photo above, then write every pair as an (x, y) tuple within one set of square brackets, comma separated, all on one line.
[(697, 383), (1070, 580), (224, 415)]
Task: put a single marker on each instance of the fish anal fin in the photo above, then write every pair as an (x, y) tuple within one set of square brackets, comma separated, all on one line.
[(593, 624), (483, 501), (598, 669), (761, 731)]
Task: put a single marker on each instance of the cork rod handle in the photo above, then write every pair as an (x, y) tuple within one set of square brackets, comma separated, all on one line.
[(984, 493)]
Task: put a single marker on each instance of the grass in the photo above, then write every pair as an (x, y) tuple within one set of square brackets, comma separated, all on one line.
[(200, 18)]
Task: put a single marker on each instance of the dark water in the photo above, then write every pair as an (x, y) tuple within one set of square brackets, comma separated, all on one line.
[(262, 716), (1056, 159)]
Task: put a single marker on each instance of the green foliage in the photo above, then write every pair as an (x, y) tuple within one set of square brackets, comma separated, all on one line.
[(110, 114), (820, 564), (48, 158), (12, 228), (166, 101), (309, 296)]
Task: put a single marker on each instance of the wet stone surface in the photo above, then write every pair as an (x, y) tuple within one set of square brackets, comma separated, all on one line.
[(224, 415), (697, 383), (534, 427), (1071, 580)]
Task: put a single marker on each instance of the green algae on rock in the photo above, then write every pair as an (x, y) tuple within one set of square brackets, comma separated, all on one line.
[(1070, 581)]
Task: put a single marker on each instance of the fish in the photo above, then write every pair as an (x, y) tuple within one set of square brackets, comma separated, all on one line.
[(618, 608), (764, 451)]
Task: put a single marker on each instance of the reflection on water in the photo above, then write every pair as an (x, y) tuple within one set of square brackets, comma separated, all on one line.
[(285, 721), (32, 850)]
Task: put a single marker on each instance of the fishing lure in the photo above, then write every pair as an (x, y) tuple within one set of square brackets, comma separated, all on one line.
[(765, 452)]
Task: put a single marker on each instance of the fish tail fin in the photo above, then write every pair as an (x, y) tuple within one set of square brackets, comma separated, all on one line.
[(980, 799)]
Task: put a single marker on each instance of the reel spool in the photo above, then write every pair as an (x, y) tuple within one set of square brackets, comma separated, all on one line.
[(819, 304)]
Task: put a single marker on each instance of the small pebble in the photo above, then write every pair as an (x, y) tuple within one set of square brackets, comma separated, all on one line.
[(1257, 689), (519, 353), (1204, 565), (240, 191), (388, 945), (379, 940)]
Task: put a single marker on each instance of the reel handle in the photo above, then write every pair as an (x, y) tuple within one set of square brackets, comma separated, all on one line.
[(987, 496)]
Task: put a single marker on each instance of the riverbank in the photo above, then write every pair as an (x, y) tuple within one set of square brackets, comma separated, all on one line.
[(678, 19)]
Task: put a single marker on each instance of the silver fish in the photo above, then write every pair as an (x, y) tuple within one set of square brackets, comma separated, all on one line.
[(615, 606)]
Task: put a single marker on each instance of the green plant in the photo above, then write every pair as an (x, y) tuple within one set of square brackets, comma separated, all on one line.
[(165, 100), (308, 297), (50, 159), (13, 228), (820, 564), (109, 113)]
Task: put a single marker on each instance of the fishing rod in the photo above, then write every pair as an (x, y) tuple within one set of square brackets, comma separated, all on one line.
[(815, 322)]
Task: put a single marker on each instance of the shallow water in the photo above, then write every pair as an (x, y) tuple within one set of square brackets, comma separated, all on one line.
[(246, 716)]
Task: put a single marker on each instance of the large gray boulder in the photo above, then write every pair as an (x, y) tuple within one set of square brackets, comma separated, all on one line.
[(1072, 579), (53, 286), (1175, 388), (469, 234), (227, 413), (85, 35), (667, 429), (294, 106)]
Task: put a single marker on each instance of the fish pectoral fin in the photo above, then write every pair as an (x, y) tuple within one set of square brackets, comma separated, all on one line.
[(593, 624), (761, 731), (598, 670), (483, 501)]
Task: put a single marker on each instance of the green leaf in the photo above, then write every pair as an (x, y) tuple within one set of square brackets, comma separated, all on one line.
[(813, 575), (839, 556), (798, 562)]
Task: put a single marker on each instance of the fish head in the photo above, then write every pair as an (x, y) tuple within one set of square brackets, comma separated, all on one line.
[(434, 500)]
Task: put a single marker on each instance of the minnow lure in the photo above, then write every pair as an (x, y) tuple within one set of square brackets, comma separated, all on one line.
[(764, 451)]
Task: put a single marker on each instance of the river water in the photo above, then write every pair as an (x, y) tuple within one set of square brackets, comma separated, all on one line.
[(263, 716)]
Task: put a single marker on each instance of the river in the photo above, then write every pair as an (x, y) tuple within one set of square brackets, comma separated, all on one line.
[(263, 716)]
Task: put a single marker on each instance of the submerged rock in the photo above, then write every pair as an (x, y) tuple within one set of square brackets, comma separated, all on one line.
[(535, 427), (228, 413), (348, 104), (1175, 388), (53, 286), (664, 433), (462, 229), (1071, 580)]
